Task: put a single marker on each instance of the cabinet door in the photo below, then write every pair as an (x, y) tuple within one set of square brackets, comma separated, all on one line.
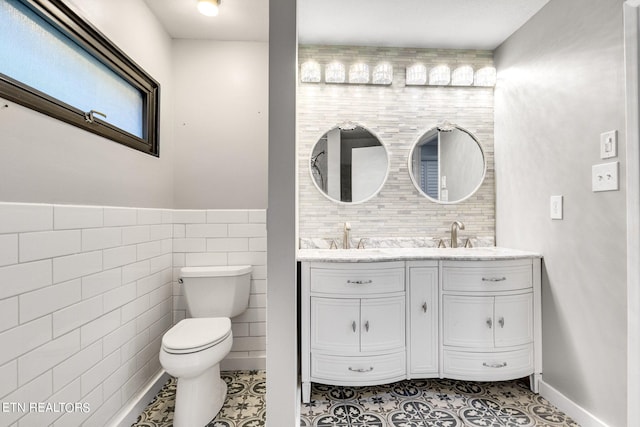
[(382, 324), (513, 320), (423, 320), (335, 325), (468, 321)]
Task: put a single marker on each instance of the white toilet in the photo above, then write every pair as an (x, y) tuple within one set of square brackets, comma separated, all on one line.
[(192, 349)]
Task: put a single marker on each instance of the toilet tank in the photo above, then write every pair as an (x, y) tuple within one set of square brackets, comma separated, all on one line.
[(216, 291)]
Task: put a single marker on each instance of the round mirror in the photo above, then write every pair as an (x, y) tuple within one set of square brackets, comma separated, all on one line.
[(349, 164), (447, 164)]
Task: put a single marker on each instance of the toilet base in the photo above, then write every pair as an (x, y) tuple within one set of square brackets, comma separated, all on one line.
[(199, 399)]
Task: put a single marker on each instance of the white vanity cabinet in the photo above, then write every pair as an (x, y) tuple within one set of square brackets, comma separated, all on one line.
[(354, 323), (471, 314), (489, 320)]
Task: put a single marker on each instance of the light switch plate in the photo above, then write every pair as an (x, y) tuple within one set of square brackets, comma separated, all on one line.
[(609, 144), (555, 207), (604, 177)]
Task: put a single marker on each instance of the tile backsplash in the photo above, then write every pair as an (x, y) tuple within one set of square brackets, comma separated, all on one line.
[(87, 292), (398, 115)]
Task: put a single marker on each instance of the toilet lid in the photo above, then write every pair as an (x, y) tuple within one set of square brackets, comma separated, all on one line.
[(191, 335)]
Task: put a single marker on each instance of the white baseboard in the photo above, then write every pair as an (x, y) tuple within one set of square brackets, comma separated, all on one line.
[(569, 407), (244, 363), (129, 414)]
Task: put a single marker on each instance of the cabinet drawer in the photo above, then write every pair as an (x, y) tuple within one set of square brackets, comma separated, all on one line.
[(487, 276), (358, 370), (492, 366), (358, 279)]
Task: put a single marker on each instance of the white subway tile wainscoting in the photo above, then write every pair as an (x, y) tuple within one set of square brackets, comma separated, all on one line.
[(86, 293)]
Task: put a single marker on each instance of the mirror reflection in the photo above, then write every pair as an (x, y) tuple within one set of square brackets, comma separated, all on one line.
[(349, 164), (447, 164)]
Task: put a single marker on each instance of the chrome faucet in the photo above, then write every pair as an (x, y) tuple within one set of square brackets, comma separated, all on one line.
[(346, 238), (455, 226)]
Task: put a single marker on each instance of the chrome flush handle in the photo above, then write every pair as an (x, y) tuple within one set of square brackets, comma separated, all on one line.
[(494, 365), (359, 282), (361, 369), (494, 279)]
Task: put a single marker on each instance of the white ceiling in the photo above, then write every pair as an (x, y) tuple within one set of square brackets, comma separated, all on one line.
[(239, 20), (462, 24)]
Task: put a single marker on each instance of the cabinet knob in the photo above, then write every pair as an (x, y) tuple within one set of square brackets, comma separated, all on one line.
[(366, 326), (359, 282), (424, 307), (353, 326), (501, 322), (490, 323)]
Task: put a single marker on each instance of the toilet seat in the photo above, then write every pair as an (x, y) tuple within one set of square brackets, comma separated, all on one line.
[(196, 334)]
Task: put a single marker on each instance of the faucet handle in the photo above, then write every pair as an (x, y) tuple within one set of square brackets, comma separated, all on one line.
[(467, 243), (441, 244), (333, 244), (361, 243)]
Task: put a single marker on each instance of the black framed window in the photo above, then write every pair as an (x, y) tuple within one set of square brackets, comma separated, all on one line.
[(55, 62)]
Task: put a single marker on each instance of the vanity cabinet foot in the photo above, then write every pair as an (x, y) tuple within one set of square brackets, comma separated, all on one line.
[(534, 382), (306, 392)]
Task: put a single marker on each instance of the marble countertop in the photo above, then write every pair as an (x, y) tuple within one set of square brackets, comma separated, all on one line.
[(405, 254)]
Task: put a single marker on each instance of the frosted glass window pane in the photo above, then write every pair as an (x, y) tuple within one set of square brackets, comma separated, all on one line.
[(39, 55)]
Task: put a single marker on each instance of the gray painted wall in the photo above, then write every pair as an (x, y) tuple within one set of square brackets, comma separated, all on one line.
[(561, 83), (43, 160), (283, 403), (221, 113)]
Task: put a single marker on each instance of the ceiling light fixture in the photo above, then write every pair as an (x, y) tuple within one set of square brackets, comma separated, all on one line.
[(208, 7), (485, 77), (416, 75), (359, 73), (462, 76), (310, 72), (334, 72), (383, 74), (440, 75)]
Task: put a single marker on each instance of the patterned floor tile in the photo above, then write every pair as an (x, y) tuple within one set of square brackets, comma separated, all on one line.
[(414, 403), (431, 403)]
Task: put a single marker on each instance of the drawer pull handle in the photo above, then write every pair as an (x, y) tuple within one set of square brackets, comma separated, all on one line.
[(353, 326), (424, 307), (494, 365), (361, 369), (359, 282), (494, 279), (501, 322), (366, 326), (490, 323)]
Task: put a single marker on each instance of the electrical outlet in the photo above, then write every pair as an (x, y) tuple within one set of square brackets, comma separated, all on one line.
[(604, 177)]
